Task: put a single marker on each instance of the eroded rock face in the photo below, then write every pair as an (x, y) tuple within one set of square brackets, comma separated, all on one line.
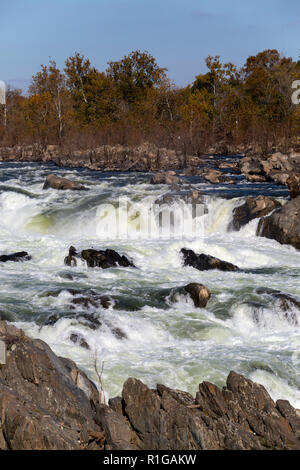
[(283, 225), (242, 416), (199, 293), (56, 182), (15, 257), (253, 208), (47, 403), (204, 262)]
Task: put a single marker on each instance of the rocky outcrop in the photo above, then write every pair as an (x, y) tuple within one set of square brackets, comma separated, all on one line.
[(145, 157), (283, 224), (15, 257), (47, 403), (241, 416), (253, 208), (277, 167), (204, 262), (55, 182), (199, 293)]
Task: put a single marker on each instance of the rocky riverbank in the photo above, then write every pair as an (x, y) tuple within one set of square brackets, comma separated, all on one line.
[(255, 165), (46, 402)]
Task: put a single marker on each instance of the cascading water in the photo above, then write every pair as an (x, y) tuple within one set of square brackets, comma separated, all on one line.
[(150, 332)]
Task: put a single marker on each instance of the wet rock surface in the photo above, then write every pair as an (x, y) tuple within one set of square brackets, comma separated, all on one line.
[(56, 182), (283, 225), (104, 259), (199, 293), (204, 262), (253, 208), (15, 257)]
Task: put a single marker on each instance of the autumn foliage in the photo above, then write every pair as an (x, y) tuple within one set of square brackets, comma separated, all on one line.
[(134, 101)]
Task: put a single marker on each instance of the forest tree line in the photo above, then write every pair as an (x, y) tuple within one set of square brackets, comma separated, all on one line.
[(134, 101)]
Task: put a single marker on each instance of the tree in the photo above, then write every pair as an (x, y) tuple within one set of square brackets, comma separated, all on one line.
[(93, 92), (135, 74), (48, 92)]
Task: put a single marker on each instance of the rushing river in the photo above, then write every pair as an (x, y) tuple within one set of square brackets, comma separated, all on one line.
[(166, 339)]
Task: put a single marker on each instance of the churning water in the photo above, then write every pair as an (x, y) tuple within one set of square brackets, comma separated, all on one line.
[(161, 337)]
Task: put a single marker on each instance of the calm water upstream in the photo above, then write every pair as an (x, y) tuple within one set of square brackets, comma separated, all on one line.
[(167, 340)]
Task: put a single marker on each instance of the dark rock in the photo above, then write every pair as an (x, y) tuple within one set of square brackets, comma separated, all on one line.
[(105, 259), (283, 225), (199, 294), (253, 208), (21, 256), (78, 339), (56, 182), (204, 262), (70, 260)]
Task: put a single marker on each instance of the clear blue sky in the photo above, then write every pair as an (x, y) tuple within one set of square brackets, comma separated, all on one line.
[(179, 33)]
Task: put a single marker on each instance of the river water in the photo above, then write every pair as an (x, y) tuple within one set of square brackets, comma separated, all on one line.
[(165, 339)]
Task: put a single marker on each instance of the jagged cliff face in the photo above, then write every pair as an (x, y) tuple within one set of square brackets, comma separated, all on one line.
[(46, 402)]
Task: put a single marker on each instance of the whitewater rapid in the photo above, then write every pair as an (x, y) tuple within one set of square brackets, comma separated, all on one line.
[(166, 339)]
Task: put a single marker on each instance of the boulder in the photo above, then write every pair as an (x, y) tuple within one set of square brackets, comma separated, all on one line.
[(21, 256), (214, 176), (293, 183), (253, 208), (105, 259), (199, 294), (166, 178), (256, 178), (283, 224), (56, 182), (204, 262)]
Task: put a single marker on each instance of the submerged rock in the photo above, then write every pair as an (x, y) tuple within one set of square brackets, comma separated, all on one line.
[(199, 294), (204, 262), (21, 256), (47, 403), (253, 208), (56, 182), (78, 339), (283, 225)]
